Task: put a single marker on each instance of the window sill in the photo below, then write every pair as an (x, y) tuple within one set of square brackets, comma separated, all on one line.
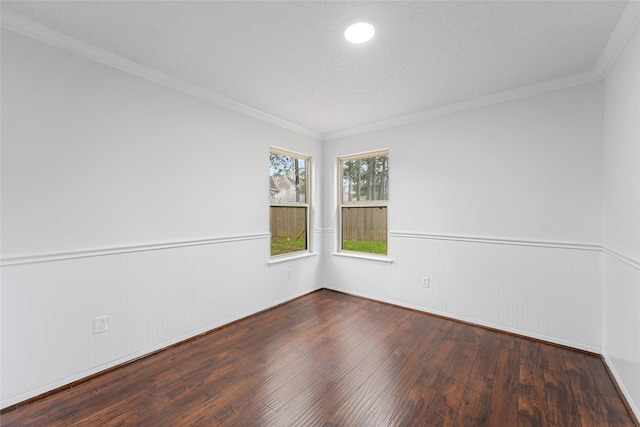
[(365, 257), (288, 258)]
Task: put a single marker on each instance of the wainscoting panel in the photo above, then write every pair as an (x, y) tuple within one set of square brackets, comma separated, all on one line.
[(549, 291), (153, 297), (622, 322)]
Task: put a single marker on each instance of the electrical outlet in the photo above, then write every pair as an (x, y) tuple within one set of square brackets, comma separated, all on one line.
[(425, 282), (290, 272), (100, 324)]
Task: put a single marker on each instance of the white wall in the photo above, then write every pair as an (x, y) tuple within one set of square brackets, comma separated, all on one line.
[(621, 296), (501, 206), (126, 198), (114, 201)]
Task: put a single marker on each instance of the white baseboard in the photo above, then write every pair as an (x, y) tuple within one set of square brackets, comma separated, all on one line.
[(147, 351), (621, 386), (474, 321)]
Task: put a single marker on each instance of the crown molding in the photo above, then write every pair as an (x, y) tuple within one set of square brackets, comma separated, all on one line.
[(26, 27), (621, 34), (624, 29), (509, 95)]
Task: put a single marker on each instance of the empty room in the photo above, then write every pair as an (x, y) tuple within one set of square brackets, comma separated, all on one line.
[(320, 213)]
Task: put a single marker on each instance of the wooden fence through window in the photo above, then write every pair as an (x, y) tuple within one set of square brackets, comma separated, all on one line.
[(358, 223), (364, 223), (288, 221)]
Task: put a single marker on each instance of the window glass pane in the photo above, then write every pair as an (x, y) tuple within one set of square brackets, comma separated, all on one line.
[(364, 229), (287, 179), (364, 199), (365, 180), (288, 200), (288, 229)]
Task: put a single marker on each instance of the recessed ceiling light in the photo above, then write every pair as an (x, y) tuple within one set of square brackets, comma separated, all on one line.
[(359, 32)]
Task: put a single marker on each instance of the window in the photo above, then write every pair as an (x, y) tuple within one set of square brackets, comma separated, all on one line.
[(289, 202), (363, 202)]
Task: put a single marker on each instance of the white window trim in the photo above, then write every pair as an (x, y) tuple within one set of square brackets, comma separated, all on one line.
[(364, 256), (292, 256)]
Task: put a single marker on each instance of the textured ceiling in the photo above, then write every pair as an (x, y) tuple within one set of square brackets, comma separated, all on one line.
[(289, 58)]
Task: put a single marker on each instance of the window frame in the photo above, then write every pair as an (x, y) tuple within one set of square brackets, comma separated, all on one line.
[(306, 204), (361, 204)]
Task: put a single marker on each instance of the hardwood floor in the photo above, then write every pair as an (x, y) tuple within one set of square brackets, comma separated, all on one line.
[(329, 359)]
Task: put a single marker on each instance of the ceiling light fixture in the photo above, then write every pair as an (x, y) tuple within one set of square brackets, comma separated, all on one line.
[(359, 32)]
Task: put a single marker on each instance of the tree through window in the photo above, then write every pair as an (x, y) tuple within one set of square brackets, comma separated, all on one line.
[(288, 200), (363, 202)]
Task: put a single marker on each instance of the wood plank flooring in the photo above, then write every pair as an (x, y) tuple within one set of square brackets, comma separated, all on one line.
[(329, 359)]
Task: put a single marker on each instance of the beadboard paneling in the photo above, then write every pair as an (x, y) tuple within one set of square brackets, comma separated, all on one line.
[(621, 225), (153, 298), (548, 292), (622, 317)]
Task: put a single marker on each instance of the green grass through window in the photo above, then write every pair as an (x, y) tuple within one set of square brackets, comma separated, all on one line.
[(371, 246), (285, 245)]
